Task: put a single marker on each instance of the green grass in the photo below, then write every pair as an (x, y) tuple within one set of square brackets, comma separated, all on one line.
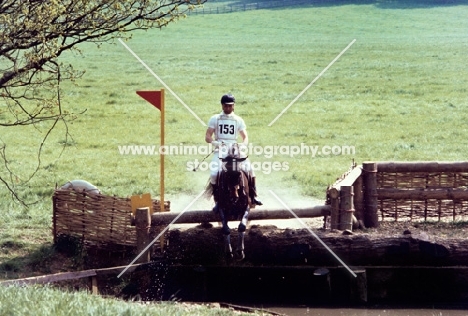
[(38, 300), (398, 93)]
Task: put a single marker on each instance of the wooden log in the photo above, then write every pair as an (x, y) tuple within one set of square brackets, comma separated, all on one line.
[(334, 196), (423, 166), (423, 194), (359, 286), (371, 217), (322, 279), (346, 208), (270, 246), (202, 216), (349, 179), (334, 193), (334, 213), (143, 225), (359, 201)]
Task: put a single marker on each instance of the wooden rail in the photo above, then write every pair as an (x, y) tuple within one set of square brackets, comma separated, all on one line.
[(423, 194), (422, 166), (92, 274), (202, 216)]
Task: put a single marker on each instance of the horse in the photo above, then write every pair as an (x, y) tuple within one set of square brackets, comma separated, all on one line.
[(233, 201)]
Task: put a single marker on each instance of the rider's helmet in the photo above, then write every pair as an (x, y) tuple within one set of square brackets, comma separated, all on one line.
[(228, 99)]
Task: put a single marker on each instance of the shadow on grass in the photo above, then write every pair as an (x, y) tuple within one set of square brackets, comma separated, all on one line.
[(14, 266), (20, 260)]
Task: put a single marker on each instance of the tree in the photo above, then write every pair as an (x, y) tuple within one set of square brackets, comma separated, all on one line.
[(33, 35)]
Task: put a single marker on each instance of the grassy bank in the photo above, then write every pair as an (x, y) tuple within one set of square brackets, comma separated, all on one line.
[(48, 301)]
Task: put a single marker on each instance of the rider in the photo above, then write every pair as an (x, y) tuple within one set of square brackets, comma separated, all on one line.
[(226, 126)]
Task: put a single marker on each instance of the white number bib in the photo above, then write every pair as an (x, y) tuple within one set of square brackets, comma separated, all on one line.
[(227, 129)]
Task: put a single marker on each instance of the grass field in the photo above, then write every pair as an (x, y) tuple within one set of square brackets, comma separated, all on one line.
[(398, 93), (45, 301)]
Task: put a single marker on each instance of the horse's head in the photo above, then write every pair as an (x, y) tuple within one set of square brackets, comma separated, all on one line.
[(232, 164), (234, 183)]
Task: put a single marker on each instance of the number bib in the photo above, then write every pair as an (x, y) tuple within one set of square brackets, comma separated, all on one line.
[(227, 129)]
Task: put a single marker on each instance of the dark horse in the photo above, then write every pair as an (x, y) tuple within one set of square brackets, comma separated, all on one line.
[(233, 202)]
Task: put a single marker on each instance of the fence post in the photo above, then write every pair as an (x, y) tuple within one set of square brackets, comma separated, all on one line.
[(54, 217), (359, 201), (335, 208), (359, 287), (94, 285), (322, 278), (346, 207), (371, 217), (143, 225)]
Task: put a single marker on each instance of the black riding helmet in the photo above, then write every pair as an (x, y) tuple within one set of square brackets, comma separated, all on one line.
[(228, 99)]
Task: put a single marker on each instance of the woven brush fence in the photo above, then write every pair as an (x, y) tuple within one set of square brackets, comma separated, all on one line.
[(378, 191), (95, 219), (422, 190)]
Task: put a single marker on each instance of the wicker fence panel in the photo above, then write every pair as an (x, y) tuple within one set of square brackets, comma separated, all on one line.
[(95, 218), (429, 209)]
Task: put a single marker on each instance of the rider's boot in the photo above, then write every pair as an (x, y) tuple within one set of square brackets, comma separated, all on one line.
[(215, 197), (254, 188)]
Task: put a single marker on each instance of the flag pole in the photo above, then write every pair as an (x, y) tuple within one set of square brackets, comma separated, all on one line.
[(156, 98), (161, 154)]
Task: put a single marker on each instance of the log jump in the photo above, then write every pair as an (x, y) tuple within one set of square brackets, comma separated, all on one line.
[(361, 198), (203, 216)]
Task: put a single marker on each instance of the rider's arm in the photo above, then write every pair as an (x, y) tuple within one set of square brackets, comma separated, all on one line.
[(209, 135), (245, 137)]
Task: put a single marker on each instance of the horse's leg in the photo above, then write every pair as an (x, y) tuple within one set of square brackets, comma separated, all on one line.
[(226, 233), (227, 246), (241, 232)]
